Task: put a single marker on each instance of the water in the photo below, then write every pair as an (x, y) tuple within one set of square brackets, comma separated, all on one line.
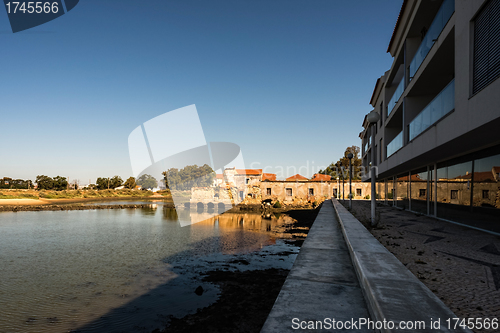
[(123, 269)]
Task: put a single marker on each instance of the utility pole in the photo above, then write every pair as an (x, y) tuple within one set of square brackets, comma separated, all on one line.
[(350, 156), (373, 117)]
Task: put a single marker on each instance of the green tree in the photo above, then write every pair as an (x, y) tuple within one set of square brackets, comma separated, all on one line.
[(147, 181), (130, 183), (7, 182), (102, 183), (188, 177), (108, 183), (60, 183), (341, 167), (115, 182), (44, 182)]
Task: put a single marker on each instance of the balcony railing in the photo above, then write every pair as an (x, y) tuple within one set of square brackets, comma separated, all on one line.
[(397, 95), (442, 17), (395, 144), (443, 103)]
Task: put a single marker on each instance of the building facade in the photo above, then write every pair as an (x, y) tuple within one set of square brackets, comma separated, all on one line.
[(437, 143), (252, 187)]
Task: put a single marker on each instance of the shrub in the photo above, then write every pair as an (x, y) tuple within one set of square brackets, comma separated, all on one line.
[(277, 204), (367, 196)]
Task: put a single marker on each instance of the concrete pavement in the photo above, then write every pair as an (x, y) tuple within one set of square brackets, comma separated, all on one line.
[(342, 272), (322, 282)]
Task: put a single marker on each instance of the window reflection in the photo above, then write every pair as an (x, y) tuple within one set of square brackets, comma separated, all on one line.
[(402, 197), (486, 182), (419, 191)]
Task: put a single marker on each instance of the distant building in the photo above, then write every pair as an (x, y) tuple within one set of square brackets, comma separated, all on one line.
[(268, 176), (437, 144), (320, 177), (297, 178)]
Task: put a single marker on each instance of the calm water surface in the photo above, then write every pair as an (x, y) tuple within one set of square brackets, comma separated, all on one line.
[(122, 269)]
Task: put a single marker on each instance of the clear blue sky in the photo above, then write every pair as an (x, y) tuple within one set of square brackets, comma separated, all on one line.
[(288, 81)]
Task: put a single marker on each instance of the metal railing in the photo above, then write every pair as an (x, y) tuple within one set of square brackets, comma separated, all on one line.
[(395, 144), (442, 17), (395, 98)]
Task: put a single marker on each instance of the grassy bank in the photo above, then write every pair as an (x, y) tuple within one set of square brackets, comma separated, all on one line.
[(75, 194)]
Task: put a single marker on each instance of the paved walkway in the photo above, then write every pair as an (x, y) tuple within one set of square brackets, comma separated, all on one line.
[(342, 272), (460, 265), (322, 283)]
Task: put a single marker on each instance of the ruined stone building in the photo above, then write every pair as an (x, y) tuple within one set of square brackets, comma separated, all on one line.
[(252, 186)]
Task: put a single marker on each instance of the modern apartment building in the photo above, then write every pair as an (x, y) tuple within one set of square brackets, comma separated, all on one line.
[(437, 143)]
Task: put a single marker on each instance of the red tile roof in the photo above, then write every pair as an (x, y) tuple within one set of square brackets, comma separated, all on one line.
[(485, 176), (249, 172), (297, 177), (219, 176), (268, 176), (319, 176), (414, 178), (496, 169)]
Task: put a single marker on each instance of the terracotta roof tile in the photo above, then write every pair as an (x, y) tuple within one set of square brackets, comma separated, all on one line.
[(268, 176), (484, 176), (319, 176), (297, 177), (249, 171)]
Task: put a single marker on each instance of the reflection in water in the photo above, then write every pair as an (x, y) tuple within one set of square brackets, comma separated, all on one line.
[(63, 270), (170, 214)]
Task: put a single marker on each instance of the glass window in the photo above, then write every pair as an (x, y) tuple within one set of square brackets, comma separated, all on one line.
[(288, 192), (358, 192), (454, 190), (390, 192), (402, 197), (268, 191), (418, 191), (311, 191), (486, 182)]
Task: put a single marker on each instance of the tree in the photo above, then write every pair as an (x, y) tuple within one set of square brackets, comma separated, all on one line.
[(188, 177), (341, 167), (44, 182), (60, 183), (147, 181), (130, 183), (7, 182), (102, 183), (108, 183), (115, 182)]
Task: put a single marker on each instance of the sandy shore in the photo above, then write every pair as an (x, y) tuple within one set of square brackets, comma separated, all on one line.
[(22, 202)]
